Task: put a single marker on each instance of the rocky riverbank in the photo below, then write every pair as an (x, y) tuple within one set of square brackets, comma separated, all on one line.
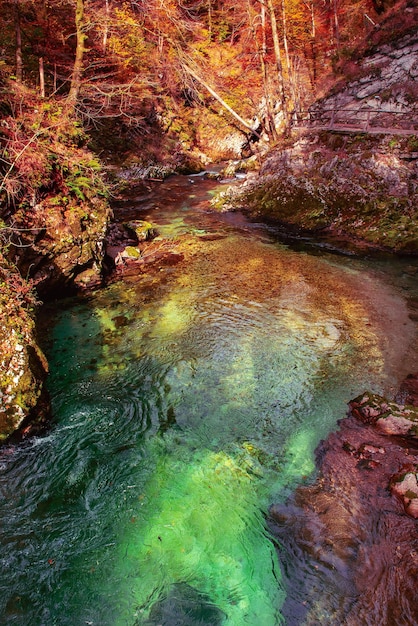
[(57, 245), (358, 520), (53, 220), (23, 367), (361, 187)]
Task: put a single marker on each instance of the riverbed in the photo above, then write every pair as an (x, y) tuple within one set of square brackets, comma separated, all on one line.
[(188, 395)]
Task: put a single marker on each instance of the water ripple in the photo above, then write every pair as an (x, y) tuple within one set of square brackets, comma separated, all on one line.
[(184, 403)]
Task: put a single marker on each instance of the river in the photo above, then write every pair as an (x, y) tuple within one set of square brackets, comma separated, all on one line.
[(187, 397)]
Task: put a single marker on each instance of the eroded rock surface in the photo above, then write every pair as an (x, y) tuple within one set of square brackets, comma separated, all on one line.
[(355, 529), (62, 246), (388, 417), (381, 92), (53, 249)]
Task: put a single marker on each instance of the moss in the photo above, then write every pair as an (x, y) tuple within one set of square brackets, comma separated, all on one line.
[(344, 184), (411, 494), (412, 143), (23, 365), (132, 252), (143, 230)]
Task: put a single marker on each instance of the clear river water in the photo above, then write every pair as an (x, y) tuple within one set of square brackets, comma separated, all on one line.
[(187, 398)]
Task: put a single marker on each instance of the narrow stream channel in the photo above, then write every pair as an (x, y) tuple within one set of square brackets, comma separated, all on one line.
[(186, 400)]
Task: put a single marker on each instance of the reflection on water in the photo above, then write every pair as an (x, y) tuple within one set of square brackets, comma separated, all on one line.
[(186, 402)]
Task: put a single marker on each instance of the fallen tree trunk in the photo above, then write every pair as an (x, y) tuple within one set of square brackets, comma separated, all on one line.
[(219, 99)]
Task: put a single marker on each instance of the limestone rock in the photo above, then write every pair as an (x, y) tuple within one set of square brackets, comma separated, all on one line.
[(144, 231), (405, 486), (64, 240), (387, 73), (389, 418), (23, 366)]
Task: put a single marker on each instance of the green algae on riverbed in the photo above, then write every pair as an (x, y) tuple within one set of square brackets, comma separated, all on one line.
[(222, 383), (186, 400), (200, 524)]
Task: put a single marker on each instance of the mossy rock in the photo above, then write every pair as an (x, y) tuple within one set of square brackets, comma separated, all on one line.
[(144, 231), (388, 417), (131, 252), (23, 364), (354, 186)]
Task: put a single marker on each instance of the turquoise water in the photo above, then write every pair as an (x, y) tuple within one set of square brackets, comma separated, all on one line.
[(186, 400)]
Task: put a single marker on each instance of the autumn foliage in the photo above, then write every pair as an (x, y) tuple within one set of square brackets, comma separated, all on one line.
[(134, 52), (139, 72)]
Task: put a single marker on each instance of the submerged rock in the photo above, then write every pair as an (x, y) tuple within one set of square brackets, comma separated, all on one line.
[(389, 418), (352, 534), (184, 606), (408, 391)]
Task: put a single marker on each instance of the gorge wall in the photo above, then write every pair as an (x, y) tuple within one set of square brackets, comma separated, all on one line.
[(351, 168)]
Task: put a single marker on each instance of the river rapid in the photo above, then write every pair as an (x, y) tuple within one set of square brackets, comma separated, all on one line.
[(188, 396)]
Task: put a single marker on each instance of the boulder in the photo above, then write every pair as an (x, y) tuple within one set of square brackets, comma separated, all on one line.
[(388, 417), (144, 231), (405, 486), (62, 240)]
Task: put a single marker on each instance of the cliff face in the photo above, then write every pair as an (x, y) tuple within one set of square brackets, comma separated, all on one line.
[(352, 168), (58, 245), (380, 91)]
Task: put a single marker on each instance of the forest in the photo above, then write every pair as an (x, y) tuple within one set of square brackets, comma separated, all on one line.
[(185, 72)]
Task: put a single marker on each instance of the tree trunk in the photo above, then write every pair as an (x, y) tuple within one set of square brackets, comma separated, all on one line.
[(313, 45), (41, 77), (263, 29), (271, 125), (261, 53), (285, 44), (18, 32), (79, 53), (210, 19), (278, 58), (106, 26), (335, 23), (219, 99)]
